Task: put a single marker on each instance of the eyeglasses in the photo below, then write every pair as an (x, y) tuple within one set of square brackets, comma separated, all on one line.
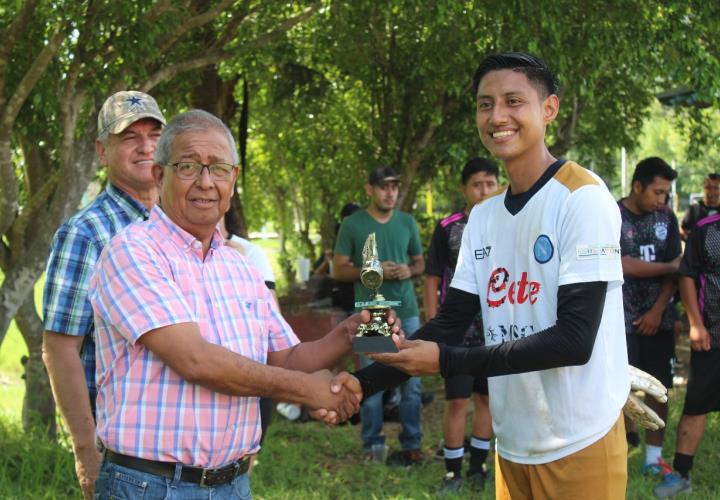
[(191, 170)]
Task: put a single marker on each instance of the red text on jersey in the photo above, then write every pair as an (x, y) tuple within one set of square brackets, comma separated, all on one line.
[(501, 287)]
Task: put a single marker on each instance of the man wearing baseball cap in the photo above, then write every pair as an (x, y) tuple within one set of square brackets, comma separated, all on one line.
[(400, 250), (129, 126)]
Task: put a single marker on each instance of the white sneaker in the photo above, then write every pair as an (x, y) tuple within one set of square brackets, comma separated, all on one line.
[(289, 410)]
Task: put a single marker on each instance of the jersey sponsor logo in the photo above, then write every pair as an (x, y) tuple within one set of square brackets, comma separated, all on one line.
[(647, 253), (543, 249), (500, 288), (661, 231), (584, 252), (481, 253), (499, 334)]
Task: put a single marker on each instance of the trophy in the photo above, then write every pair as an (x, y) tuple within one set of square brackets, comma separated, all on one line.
[(374, 336)]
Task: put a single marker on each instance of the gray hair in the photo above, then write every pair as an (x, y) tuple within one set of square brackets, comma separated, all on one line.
[(195, 120)]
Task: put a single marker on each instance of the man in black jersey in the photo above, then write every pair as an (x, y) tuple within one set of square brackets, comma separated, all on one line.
[(709, 205), (699, 285), (479, 179), (650, 244)]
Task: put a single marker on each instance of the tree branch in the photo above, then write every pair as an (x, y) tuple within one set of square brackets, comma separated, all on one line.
[(28, 81), (283, 27), (34, 206), (192, 23), (170, 71), (9, 37)]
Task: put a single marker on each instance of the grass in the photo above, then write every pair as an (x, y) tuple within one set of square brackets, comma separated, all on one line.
[(308, 461), (312, 461)]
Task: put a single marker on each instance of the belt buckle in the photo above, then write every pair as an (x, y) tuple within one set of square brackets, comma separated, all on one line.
[(220, 475), (203, 477)]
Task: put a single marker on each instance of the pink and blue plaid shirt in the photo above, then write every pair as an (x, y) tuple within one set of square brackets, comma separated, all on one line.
[(153, 275)]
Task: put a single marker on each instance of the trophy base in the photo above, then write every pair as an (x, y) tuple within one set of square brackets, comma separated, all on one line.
[(378, 343)]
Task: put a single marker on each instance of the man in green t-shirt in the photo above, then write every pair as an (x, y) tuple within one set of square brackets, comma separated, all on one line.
[(399, 248)]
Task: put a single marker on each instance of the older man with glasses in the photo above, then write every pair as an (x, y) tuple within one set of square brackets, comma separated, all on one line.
[(188, 336)]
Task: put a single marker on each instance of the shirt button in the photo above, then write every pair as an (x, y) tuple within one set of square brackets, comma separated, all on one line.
[(196, 244)]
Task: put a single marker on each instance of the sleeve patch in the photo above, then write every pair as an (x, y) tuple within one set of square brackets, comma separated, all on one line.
[(597, 252)]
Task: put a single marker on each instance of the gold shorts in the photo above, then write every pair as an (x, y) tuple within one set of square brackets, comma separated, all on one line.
[(598, 472)]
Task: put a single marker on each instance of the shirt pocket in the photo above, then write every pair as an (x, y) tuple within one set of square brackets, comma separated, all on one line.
[(248, 330)]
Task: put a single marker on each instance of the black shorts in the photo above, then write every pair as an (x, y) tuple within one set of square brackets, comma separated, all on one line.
[(653, 354), (703, 388), (462, 386)]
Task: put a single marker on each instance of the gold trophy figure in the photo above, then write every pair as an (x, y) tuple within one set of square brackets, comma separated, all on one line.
[(375, 335)]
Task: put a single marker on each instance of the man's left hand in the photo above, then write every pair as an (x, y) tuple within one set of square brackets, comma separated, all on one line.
[(416, 357), (402, 272)]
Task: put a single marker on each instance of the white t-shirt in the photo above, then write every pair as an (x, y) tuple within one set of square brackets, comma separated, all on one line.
[(256, 257), (567, 232)]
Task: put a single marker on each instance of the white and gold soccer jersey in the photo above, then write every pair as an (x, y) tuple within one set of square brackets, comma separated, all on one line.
[(515, 259)]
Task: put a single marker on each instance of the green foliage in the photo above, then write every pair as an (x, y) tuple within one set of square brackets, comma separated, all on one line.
[(33, 467), (311, 461)]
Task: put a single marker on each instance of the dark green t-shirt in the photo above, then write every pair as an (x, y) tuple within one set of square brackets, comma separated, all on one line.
[(397, 240)]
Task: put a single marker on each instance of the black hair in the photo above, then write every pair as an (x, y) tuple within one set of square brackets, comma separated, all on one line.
[(349, 209), (233, 221), (649, 168), (534, 68), (476, 165), (712, 177)]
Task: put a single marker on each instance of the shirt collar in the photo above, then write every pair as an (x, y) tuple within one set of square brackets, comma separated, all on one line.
[(179, 235), (132, 207)]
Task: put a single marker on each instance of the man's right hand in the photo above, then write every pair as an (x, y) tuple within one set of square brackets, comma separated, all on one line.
[(344, 403), (341, 381), (87, 468)]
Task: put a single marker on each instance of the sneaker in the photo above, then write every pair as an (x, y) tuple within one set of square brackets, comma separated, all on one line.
[(672, 484), (450, 484), (289, 410), (661, 468), (477, 479), (377, 453), (405, 458)]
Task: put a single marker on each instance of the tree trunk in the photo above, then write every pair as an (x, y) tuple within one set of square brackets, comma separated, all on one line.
[(38, 411)]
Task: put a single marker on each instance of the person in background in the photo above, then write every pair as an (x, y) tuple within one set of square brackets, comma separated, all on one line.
[(650, 246), (479, 178), (129, 126), (232, 228), (699, 285), (400, 251), (709, 205)]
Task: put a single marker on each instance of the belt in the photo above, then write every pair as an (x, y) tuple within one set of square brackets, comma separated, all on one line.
[(204, 477)]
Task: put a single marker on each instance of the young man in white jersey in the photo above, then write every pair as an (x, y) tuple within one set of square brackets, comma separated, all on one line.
[(545, 269)]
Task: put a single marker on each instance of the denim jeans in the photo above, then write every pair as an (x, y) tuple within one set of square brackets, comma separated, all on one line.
[(118, 482), (371, 410)]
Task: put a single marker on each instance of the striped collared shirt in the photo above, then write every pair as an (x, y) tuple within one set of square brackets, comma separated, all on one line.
[(74, 251), (153, 275)]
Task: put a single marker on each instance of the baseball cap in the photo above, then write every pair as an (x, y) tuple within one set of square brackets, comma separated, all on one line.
[(122, 109), (383, 174)]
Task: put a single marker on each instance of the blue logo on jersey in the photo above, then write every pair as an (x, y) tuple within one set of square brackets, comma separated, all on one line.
[(543, 249)]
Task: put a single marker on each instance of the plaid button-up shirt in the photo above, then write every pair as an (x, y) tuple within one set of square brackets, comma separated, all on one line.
[(153, 275), (74, 251)]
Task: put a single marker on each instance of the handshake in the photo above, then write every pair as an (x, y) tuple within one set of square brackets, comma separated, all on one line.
[(333, 399)]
